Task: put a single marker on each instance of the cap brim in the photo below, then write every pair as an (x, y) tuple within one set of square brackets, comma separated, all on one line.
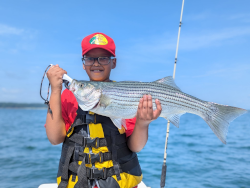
[(93, 47)]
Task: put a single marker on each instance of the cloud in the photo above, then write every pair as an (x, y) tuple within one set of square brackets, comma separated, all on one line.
[(209, 16), (189, 41), (8, 30), (15, 75), (240, 17), (196, 38), (227, 72), (212, 38), (14, 40), (198, 16)]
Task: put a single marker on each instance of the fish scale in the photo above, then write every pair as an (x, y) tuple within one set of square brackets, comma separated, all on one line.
[(119, 100), (116, 94)]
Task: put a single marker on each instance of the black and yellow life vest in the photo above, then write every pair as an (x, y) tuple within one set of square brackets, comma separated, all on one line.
[(96, 150)]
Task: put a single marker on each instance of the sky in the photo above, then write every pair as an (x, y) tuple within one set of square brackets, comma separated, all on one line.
[(213, 59)]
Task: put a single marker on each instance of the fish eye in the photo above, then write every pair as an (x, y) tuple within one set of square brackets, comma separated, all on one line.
[(81, 84)]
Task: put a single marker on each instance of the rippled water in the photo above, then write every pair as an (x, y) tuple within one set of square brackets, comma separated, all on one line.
[(196, 158)]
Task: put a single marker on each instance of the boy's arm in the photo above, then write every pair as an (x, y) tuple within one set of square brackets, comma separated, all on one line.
[(144, 116), (55, 126)]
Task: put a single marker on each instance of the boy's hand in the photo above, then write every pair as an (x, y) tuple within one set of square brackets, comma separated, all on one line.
[(55, 74), (145, 113), (144, 116)]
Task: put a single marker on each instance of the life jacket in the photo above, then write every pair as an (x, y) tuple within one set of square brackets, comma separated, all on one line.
[(96, 151)]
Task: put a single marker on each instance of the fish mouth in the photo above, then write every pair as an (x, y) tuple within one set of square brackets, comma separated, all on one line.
[(73, 86)]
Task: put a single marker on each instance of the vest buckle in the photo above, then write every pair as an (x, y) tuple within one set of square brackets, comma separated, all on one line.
[(95, 173), (94, 158), (93, 142)]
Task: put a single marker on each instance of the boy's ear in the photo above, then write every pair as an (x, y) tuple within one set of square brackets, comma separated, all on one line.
[(83, 66), (113, 63)]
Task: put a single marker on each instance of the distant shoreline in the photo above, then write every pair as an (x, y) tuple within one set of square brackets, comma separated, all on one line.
[(24, 108), (10, 105)]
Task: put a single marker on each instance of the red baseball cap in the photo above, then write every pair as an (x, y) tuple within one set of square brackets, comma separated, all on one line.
[(98, 40)]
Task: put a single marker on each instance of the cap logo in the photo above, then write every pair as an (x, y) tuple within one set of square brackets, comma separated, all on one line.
[(98, 39)]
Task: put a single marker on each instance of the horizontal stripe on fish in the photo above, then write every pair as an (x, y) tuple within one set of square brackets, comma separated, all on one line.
[(116, 94)]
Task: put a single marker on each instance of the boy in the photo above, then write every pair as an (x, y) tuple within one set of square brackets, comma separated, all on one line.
[(95, 152)]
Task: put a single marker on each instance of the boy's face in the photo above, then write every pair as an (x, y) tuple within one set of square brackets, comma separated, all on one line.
[(98, 72)]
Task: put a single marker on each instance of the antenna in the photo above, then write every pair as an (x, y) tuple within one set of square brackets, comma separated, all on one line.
[(164, 166)]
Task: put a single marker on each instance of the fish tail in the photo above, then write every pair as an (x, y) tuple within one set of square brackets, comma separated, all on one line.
[(218, 118)]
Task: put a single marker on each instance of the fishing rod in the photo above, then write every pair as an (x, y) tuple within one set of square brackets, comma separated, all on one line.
[(164, 166)]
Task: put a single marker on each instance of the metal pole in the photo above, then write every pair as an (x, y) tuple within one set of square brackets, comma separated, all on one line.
[(178, 39), (164, 166)]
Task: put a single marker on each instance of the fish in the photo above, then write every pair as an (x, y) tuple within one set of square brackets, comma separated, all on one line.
[(119, 101)]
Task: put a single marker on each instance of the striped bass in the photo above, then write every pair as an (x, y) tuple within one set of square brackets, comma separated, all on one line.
[(119, 101)]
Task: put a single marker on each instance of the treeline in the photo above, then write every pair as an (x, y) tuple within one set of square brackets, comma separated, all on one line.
[(21, 105)]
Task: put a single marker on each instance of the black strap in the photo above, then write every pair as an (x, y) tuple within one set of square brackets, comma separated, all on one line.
[(81, 118), (95, 142), (78, 151), (101, 157), (91, 158), (63, 183), (65, 174), (80, 121), (90, 118), (82, 178), (86, 141), (114, 155)]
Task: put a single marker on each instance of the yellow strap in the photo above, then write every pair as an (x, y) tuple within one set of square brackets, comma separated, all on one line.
[(71, 184), (122, 130), (96, 130), (91, 113), (71, 131), (128, 180)]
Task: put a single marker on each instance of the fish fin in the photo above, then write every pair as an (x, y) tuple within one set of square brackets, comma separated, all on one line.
[(169, 81), (86, 107), (119, 122), (124, 123), (174, 119), (218, 118)]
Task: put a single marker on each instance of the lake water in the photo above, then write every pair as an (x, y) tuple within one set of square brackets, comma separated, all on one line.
[(196, 157)]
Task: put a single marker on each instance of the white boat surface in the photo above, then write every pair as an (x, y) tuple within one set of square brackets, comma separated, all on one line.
[(54, 185)]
